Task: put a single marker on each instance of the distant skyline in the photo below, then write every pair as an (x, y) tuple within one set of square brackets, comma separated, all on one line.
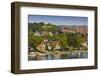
[(58, 20)]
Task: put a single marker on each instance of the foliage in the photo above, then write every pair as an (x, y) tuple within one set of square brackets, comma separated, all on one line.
[(42, 27), (70, 40), (75, 41), (34, 40), (62, 39)]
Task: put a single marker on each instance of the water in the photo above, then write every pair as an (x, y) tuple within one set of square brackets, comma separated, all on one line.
[(49, 57), (83, 54), (69, 55)]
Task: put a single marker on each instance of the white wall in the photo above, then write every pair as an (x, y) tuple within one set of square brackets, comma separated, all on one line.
[(5, 33)]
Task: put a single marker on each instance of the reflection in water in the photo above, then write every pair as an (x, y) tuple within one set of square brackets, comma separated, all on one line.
[(49, 57), (69, 55)]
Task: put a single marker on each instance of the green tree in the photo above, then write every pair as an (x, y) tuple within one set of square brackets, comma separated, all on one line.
[(75, 41), (49, 28), (62, 39), (79, 40), (33, 40), (35, 26)]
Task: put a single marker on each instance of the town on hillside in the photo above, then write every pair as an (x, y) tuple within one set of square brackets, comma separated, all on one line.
[(47, 41)]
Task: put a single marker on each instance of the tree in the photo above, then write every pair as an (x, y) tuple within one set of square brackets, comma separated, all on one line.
[(75, 41), (79, 40), (49, 28), (34, 40), (35, 26), (62, 39)]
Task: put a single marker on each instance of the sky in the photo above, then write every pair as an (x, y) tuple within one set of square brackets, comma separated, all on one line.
[(58, 20)]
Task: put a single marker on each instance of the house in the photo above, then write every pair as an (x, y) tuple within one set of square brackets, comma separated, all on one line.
[(50, 33), (41, 47), (37, 33), (56, 45), (85, 44), (64, 30), (45, 40), (81, 30), (30, 49)]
